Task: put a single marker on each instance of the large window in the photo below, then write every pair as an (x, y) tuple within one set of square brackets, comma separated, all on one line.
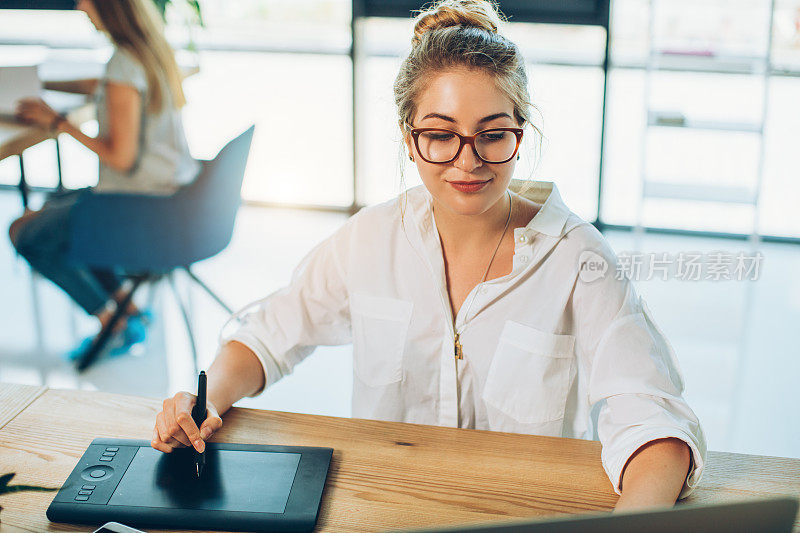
[(300, 104), (284, 65), (690, 38)]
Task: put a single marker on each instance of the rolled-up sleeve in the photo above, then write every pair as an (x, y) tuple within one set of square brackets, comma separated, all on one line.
[(634, 375), (313, 310)]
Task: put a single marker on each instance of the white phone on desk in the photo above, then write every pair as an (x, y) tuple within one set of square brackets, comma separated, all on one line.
[(116, 527)]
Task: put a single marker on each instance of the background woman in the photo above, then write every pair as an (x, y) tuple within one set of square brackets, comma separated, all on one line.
[(141, 148), (466, 300)]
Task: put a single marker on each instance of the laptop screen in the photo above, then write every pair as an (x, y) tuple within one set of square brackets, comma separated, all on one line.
[(17, 82)]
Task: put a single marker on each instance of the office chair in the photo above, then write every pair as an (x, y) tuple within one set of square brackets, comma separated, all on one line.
[(153, 236)]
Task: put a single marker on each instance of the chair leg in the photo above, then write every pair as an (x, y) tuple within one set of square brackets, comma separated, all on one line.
[(102, 338), (186, 320), (152, 287), (209, 291), (23, 184), (37, 318), (58, 165)]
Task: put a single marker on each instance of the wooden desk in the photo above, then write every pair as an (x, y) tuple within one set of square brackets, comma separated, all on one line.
[(15, 398), (384, 475)]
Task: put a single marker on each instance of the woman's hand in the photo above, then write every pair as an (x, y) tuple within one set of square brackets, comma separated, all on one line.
[(235, 373), (119, 147), (35, 111), (176, 429)]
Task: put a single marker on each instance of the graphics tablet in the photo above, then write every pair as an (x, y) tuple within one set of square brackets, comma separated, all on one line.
[(243, 487)]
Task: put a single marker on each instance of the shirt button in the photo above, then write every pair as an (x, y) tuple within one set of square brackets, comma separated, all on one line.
[(523, 238), (524, 258), (484, 290)]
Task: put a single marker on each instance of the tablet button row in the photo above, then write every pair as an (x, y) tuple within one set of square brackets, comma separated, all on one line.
[(81, 498), (89, 487), (112, 449), (106, 459), (109, 454), (84, 492)]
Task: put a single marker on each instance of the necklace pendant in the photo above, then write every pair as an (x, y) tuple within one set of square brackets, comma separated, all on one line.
[(457, 345)]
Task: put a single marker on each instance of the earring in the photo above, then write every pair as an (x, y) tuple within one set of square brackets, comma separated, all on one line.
[(411, 157), (517, 157)]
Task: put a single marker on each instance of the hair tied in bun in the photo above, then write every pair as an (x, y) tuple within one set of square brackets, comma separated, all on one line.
[(482, 14)]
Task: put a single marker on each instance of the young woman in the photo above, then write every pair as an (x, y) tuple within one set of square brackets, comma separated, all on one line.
[(464, 299), (141, 148)]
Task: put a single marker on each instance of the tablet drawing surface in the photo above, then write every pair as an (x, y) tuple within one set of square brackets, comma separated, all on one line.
[(231, 481)]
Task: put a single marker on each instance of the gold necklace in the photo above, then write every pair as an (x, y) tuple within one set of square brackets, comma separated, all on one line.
[(458, 352)]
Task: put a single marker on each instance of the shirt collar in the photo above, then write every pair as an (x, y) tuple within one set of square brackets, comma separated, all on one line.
[(552, 216)]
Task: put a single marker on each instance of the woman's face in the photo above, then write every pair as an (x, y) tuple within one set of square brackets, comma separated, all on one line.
[(464, 101), (87, 6)]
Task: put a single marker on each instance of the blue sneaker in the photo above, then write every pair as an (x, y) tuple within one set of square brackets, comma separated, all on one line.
[(120, 343), (146, 315), (76, 353), (135, 332)]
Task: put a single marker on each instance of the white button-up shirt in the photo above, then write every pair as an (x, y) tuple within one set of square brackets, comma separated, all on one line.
[(549, 349)]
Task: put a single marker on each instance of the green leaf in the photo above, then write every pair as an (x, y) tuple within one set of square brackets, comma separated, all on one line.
[(5, 479), (195, 4), (28, 488), (161, 5), (5, 488)]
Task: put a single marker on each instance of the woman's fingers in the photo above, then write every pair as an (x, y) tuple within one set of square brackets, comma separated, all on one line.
[(210, 425), (191, 430), (175, 427), (32, 104), (23, 115), (31, 101), (34, 110), (157, 444), (171, 423), (165, 434), (184, 402)]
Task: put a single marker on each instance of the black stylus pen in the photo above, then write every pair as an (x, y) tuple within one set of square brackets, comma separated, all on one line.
[(199, 416)]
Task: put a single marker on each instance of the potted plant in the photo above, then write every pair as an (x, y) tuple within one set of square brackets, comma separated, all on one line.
[(196, 18), (193, 4)]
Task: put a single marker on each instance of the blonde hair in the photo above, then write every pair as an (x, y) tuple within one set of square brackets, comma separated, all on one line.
[(135, 26), (462, 34)]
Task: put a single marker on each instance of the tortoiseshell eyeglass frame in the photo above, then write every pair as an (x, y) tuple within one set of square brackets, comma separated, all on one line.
[(464, 139)]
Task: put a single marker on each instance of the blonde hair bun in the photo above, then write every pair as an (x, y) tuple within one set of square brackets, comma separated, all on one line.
[(466, 13)]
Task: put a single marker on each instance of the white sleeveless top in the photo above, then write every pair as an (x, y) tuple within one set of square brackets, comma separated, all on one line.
[(163, 163)]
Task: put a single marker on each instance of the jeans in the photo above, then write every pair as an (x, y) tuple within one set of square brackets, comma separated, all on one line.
[(44, 242)]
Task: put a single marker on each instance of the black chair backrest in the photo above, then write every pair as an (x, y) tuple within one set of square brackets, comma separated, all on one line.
[(213, 199), (154, 234)]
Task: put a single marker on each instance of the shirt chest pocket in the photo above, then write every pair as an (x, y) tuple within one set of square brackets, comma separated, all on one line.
[(380, 328), (528, 378)]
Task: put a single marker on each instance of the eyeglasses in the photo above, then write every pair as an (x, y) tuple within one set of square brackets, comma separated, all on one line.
[(496, 145)]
